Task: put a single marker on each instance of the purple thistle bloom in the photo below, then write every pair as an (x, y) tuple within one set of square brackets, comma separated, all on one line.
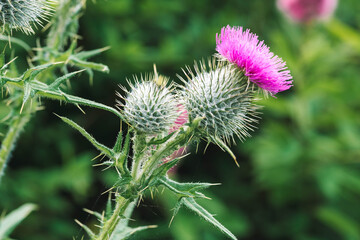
[(254, 58)]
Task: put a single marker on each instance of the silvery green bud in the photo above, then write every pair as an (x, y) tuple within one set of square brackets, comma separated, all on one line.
[(149, 107), (220, 94), (21, 14)]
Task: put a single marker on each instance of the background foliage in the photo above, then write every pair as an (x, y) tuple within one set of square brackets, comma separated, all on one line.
[(300, 172)]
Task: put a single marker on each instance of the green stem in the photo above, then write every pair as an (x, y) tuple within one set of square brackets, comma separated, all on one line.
[(122, 206), (173, 144), (139, 150), (9, 141)]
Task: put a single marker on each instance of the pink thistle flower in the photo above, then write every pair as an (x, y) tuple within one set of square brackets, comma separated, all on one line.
[(307, 10), (254, 58)]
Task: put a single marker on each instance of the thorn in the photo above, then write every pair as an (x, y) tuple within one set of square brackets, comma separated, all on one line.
[(96, 157), (108, 190), (22, 107), (78, 106)]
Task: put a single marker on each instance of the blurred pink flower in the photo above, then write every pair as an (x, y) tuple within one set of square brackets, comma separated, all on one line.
[(307, 10), (254, 58), (179, 122)]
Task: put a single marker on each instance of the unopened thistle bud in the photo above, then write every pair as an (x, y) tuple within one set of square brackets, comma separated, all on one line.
[(22, 15), (148, 107), (219, 94)]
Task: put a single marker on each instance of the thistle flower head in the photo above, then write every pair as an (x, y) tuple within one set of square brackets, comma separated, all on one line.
[(307, 10), (253, 58), (149, 107), (23, 14), (219, 94)]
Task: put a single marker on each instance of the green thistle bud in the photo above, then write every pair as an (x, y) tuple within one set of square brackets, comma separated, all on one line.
[(220, 94), (148, 107), (21, 14)]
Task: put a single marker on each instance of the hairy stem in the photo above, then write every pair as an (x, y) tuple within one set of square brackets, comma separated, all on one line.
[(9, 141), (122, 206)]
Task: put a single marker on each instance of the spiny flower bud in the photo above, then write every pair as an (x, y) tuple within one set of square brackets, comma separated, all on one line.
[(21, 14), (149, 107), (220, 95)]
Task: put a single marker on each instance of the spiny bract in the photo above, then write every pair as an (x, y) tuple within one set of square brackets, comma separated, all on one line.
[(148, 107), (220, 95), (21, 14)]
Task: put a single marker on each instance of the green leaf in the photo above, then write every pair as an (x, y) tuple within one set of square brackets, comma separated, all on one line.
[(344, 225), (128, 232), (62, 79), (107, 151), (185, 189), (225, 148), (88, 54), (87, 230), (96, 66), (122, 160), (157, 141), (202, 212), (9, 222), (118, 144), (34, 71)]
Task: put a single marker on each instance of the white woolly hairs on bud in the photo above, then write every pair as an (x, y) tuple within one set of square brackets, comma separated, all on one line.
[(23, 14), (220, 94), (148, 107)]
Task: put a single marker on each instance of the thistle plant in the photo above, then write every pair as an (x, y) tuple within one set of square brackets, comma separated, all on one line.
[(219, 98)]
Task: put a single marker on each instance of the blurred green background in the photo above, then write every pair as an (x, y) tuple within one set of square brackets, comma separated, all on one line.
[(299, 175)]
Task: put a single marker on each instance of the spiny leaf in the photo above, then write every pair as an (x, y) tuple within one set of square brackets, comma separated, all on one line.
[(161, 171), (122, 161), (34, 71), (128, 232), (9, 222), (202, 212), (176, 210), (62, 79), (109, 208), (185, 189), (88, 54), (107, 151), (87, 230), (96, 66), (225, 147), (157, 141), (118, 144)]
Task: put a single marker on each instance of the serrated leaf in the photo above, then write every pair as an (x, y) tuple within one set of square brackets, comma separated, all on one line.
[(191, 204), (107, 151), (9, 222)]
